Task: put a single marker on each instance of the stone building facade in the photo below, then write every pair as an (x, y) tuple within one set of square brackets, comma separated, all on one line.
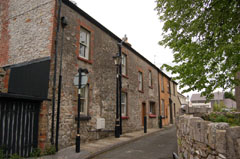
[(175, 104), (28, 32)]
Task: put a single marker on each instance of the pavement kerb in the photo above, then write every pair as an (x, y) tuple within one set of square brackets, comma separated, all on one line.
[(114, 146)]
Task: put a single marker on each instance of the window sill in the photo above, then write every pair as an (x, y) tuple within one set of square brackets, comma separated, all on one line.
[(83, 118), (85, 60), (125, 76), (152, 116), (125, 117), (140, 91)]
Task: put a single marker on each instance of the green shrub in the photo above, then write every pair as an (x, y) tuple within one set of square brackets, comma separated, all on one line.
[(15, 156), (218, 107), (1, 154), (232, 119), (50, 150), (35, 153)]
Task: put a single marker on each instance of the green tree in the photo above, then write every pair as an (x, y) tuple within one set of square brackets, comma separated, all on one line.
[(229, 95), (205, 38)]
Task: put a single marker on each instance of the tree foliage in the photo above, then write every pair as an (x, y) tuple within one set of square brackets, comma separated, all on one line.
[(229, 95), (205, 38)]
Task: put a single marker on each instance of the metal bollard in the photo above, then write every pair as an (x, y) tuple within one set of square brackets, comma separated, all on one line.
[(175, 156), (145, 124), (160, 121)]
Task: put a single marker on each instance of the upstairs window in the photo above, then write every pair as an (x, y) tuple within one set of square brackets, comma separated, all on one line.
[(84, 43), (124, 104), (162, 84), (150, 78), (140, 81), (168, 87), (174, 89), (124, 64)]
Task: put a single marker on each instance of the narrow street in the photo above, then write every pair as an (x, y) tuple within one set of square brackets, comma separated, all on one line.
[(157, 146)]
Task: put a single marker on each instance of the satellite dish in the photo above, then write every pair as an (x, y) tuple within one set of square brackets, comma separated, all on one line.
[(84, 80)]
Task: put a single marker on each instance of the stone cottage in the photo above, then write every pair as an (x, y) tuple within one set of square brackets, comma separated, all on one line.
[(32, 41)]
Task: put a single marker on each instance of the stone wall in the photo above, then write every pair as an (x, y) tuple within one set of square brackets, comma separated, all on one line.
[(193, 110), (199, 139), (101, 83), (26, 29)]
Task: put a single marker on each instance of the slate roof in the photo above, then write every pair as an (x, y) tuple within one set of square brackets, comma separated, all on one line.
[(217, 96)]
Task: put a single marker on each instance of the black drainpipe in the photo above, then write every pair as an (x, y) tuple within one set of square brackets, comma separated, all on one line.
[(64, 24), (55, 70), (159, 100)]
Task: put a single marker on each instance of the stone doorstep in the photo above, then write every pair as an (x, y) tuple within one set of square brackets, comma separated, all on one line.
[(94, 148)]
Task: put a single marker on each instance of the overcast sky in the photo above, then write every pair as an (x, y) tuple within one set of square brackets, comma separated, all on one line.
[(135, 18)]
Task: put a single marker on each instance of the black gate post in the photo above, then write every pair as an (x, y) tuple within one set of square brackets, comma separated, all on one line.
[(145, 124), (78, 138)]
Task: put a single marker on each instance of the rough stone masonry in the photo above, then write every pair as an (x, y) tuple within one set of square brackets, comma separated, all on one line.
[(199, 139)]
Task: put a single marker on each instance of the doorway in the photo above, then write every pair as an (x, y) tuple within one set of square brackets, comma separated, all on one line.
[(143, 112)]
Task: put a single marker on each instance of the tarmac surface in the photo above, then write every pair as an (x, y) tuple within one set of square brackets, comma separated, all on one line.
[(157, 146), (156, 142)]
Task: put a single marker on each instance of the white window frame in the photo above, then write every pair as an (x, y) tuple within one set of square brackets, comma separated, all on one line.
[(162, 108), (140, 81), (84, 100), (124, 64), (152, 108), (86, 45), (124, 104), (150, 78)]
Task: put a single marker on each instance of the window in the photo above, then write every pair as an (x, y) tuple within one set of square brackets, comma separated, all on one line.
[(162, 108), (150, 78), (84, 43), (152, 109), (124, 104), (84, 100), (168, 87), (174, 89), (162, 85), (140, 81), (124, 64), (174, 110)]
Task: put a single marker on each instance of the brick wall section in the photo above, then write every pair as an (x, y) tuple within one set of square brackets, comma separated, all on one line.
[(26, 30), (165, 95), (4, 32), (4, 77)]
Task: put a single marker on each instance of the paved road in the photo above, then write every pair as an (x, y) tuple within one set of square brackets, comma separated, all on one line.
[(156, 146)]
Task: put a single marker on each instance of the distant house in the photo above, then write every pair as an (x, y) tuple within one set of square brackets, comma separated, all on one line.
[(183, 100), (218, 98)]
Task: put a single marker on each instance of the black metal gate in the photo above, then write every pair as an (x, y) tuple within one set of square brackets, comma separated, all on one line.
[(18, 126)]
